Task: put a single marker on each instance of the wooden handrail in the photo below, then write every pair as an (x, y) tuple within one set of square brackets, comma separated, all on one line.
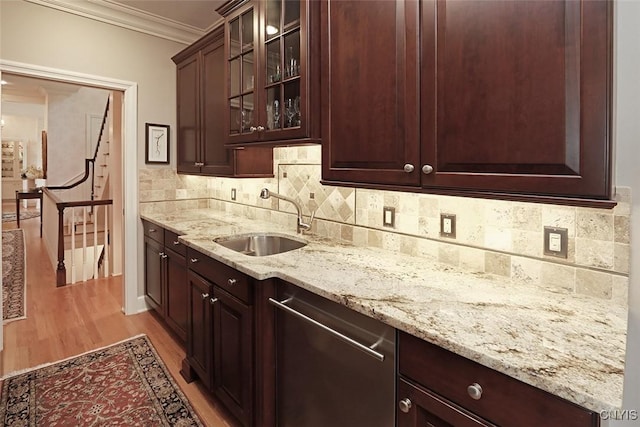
[(61, 270)]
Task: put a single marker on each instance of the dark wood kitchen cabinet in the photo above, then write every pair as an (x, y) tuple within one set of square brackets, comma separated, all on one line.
[(200, 107), (165, 277), (272, 74), (220, 337), (514, 97), (439, 388)]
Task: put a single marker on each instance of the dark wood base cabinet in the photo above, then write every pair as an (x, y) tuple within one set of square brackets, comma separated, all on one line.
[(165, 277), (439, 388), (220, 337)]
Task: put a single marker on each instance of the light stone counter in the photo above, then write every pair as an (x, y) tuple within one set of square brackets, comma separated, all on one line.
[(570, 345)]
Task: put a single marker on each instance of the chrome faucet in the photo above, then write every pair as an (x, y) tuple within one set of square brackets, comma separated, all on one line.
[(301, 225)]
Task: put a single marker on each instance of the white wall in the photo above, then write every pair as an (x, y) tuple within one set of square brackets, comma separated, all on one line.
[(627, 137)]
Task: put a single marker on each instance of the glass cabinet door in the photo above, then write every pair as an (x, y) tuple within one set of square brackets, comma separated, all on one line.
[(241, 63), (282, 64)]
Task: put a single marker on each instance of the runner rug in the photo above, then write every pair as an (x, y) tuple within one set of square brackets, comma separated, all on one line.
[(13, 276), (11, 216), (125, 384)]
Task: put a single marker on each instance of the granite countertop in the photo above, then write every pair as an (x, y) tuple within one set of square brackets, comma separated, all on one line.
[(570, 345)]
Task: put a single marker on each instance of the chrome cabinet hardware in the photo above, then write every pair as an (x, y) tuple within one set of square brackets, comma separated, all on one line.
[(204, 296), (408, 168), (213, 301), (368, 350), (194, 260), (231, 282), (475, 391), (152, 230), (427, 169), (405, 405), (260, 128), (176, 243)]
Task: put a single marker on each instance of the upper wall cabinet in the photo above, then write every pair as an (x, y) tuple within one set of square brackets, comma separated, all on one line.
[(514, 97), (200, 105), (273, 89)]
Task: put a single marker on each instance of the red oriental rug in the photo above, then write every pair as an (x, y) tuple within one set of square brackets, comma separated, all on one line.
[(125, 384)]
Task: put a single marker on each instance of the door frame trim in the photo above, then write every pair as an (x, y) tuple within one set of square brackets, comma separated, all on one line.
[(132, 230)]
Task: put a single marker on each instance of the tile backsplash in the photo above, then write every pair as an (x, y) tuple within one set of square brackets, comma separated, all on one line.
[(492, 236)]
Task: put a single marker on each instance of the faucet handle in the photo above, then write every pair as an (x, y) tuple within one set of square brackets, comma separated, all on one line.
[(308, 225)]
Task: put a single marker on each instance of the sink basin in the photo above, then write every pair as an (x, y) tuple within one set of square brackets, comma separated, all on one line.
[(260, 244)]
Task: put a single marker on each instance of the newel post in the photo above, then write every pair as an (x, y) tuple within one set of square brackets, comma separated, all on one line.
[(61, 271)]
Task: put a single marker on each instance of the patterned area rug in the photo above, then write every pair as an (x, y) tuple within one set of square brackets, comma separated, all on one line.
[(11, 216), (125, 384), (13, 276)]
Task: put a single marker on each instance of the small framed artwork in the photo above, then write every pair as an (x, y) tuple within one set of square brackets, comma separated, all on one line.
[(157, 143)]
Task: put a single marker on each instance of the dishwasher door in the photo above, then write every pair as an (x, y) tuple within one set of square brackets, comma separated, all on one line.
[(324, 378)]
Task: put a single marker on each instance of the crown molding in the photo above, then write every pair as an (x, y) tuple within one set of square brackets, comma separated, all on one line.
[(126, 17)]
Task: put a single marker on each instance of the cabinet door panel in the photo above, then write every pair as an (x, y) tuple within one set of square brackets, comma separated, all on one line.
[(370, 104), (154, 274), (233, 376), (520, 104), (188, 75), (217, 159), (199, 340), (177, 294)]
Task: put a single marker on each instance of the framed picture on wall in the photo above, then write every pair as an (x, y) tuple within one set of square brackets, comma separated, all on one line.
[(156, 143)]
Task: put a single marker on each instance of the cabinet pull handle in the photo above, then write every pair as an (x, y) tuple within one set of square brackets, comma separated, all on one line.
[(475, 391), (161, 254), (152, 230), (194, 260), (213, 301), (231, 282), (204, 296), (176, 243), (164, 255), (260, 128), (405, 405), (408, 168), (427, 169), (253, 128)]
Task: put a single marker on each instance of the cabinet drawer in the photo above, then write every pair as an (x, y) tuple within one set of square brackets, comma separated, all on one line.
[(171, 242), (153, 231), (504, 400), (223, 276)]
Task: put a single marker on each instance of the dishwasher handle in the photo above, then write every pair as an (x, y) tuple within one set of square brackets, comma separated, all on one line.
[(368, 350)]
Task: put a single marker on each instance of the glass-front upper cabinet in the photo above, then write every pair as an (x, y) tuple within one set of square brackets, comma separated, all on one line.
[(273, 78)]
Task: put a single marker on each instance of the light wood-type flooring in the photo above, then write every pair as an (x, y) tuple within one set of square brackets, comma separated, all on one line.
[(67, 321)]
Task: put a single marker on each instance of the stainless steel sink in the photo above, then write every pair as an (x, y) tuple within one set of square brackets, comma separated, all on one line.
[(260, 244)]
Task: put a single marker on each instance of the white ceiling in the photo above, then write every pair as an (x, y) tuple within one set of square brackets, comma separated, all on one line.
[(183, 21)]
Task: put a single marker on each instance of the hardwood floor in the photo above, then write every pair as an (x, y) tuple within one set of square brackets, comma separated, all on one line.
[(67, 321)]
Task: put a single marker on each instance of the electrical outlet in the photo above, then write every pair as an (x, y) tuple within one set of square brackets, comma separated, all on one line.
[(233, 194), (556, 241), (448, 225), (388, 216)]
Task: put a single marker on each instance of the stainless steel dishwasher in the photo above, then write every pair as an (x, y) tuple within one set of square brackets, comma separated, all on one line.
[(334, 367)]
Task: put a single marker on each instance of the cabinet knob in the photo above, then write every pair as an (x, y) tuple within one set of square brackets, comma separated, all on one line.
[(232, 282), (194, 260), (475, 391), (427, 169), (161, 254), (152, 230), (253, 128), (260, 128), (204, 296), (164, 255), (405, 405), (213, 301), (408, 168), (176, 243)]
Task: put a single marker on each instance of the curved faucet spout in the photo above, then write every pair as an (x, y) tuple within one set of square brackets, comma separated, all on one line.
[(301, 225)]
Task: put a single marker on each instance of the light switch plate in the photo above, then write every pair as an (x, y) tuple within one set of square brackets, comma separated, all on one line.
[(556, 241), (388, 216), (448, 226)]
